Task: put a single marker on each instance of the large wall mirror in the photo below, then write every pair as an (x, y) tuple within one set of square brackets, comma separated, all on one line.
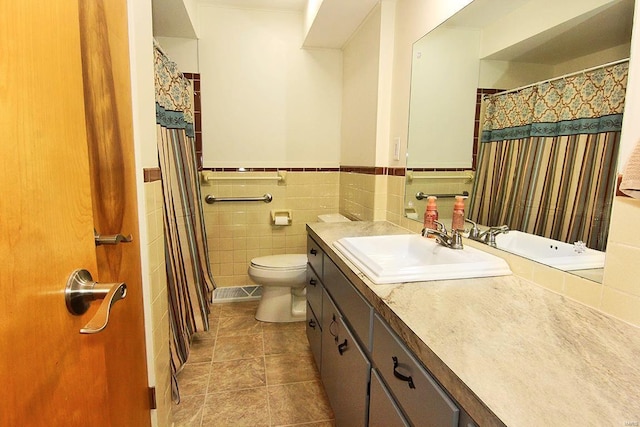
[(495, 46)]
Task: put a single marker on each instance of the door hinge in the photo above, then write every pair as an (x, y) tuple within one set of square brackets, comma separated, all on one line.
[(152, 398)]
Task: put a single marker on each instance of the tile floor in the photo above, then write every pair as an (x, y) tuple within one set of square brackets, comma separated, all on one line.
[(248, 373)]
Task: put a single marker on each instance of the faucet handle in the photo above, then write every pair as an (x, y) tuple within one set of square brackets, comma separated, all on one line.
[(473, 231), (440, 227), (456, 239)]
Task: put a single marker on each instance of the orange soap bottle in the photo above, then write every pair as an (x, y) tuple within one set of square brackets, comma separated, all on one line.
[(431, 213), (457, 220)]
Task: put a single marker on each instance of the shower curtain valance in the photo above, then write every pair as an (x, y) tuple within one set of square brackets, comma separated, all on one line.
[(588, 103), (174, 95), (173, 120)]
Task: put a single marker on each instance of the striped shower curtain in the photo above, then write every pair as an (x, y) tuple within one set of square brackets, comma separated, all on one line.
[(547, 160), (190, 283)]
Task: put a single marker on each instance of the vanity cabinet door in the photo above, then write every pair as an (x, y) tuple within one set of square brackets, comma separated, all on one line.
[(314, 335), (383, 411), (345, 370), (421, 398)]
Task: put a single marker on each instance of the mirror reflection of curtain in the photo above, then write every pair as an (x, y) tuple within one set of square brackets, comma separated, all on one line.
[(189, 279), (547, 160)]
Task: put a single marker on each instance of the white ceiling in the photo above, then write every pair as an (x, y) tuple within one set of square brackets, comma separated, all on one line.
[(297, 5), (603, 28), (170, 19), (335, 22)]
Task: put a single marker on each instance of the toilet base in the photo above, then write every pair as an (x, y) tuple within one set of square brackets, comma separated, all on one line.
[(280, 304)]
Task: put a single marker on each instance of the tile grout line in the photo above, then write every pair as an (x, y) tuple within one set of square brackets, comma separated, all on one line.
[(206, 394), (266, 378)]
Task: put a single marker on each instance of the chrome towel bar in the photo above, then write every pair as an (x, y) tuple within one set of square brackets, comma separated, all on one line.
[(281, 177), (468, 175), (210, 199), (420, 195)]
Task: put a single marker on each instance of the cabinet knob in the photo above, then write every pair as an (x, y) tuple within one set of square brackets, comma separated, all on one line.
[(312, 323), (313, 282), (313, 252)]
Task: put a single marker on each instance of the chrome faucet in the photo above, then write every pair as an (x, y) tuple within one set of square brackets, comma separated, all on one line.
[(454, 241), (487, 236)]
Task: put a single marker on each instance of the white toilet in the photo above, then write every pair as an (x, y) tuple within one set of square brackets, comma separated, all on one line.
[(283, 279)]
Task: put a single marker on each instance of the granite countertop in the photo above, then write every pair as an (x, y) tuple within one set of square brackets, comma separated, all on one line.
[(510, 352)]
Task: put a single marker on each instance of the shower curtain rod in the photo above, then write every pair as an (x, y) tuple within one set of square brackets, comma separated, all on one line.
[(575, 73)]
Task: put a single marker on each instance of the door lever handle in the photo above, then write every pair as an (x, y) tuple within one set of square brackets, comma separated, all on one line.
[(111, 239), (81, 289)]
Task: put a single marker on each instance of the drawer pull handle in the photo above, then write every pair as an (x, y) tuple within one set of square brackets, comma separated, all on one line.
[(312, 323), (399, 376), (313, 252), (342, 347), (312, 282), (333, 322)]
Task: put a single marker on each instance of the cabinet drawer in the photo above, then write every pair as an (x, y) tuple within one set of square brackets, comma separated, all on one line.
[(314, 335), (416, 392), (314, 292), (383, 411), (351, 304), (315, 256)]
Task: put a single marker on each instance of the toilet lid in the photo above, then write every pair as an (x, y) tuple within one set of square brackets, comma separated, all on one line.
[(281, 262)]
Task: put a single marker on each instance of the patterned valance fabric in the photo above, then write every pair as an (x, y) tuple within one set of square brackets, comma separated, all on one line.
[(174, 94), (587, 103)]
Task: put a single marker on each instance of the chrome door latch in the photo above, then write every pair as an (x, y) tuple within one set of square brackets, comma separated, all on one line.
[(81, 289), (111, 239)]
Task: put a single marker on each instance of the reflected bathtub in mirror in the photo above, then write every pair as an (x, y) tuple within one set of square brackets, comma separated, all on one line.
[(561, 255)]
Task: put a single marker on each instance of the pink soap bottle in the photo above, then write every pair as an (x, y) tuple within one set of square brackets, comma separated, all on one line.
[(431, 213), (457, 220)]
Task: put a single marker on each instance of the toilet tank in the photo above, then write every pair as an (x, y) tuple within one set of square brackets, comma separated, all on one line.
[(335, 217)]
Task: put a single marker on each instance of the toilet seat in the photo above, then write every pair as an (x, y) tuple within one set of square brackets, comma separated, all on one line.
[(289, 262)]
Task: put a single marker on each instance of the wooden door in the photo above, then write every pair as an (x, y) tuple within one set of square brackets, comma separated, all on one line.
[(59, 179)]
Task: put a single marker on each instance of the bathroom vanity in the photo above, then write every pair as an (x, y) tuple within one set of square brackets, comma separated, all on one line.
[(470, 352)]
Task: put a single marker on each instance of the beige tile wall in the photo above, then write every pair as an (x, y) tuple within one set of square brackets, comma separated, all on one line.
[(621, 292), (363, 196), (159, 300), (240, 231), (357, 195), (618, 296)]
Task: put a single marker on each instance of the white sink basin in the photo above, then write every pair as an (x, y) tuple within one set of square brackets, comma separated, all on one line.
[(413, 258), (564, 256)]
